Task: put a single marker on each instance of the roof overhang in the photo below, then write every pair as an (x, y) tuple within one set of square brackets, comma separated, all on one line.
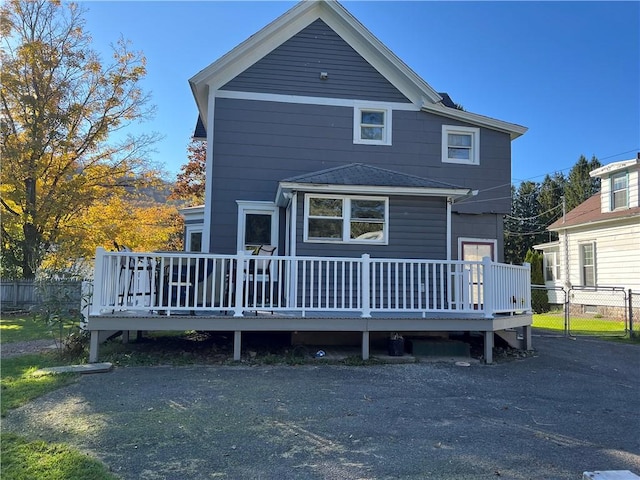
[(614, 167), (286, 189)]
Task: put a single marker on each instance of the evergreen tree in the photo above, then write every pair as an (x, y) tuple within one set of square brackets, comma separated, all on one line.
[(580, 186)]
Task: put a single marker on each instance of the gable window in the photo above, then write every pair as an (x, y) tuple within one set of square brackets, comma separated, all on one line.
[(372, 126), (588, 264), (345, 219), (460, 145), (619, 191)]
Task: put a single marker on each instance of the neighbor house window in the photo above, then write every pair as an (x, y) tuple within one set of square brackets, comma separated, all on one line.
[(551, 266), (372, 126), (460, 145), (345, 219), (588, 264), (619, 191)]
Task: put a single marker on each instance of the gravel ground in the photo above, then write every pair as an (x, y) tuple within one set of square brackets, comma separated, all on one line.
[(572, 407)]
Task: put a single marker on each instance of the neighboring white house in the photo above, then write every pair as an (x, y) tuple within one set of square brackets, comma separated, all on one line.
[(599, 240)]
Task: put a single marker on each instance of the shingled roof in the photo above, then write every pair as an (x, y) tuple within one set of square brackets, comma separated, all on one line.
[(589, 212), (367, 175)]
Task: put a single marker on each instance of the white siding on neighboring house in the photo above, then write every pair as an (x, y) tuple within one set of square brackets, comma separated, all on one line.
[(616, 251)]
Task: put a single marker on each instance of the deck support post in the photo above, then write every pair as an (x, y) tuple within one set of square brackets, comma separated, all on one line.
[(488, 346), (365, 345), (125, 336), (237, 344), (526, 337), (93, 346)]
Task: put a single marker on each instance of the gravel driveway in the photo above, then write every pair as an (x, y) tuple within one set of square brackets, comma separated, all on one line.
[(573, 407)]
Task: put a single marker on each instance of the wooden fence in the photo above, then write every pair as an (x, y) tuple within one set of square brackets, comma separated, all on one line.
[(24, 294)]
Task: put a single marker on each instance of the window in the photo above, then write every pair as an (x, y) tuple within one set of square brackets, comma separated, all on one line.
[(193, 238), (474, 250), (551, 266), (346, 219), (588, 264), (257, 224), (460, 145), (372, 126), (619, 191)]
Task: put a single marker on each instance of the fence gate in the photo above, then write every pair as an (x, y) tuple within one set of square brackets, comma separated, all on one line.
[(598, 311), (551, 303)]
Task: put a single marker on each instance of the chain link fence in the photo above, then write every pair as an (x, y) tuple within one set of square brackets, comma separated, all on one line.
[(600, 311)]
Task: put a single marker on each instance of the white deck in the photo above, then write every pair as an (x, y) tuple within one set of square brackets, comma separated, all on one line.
[(188, 291)]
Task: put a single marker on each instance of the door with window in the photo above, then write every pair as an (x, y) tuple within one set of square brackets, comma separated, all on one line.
[(474, 250), (257, 225)]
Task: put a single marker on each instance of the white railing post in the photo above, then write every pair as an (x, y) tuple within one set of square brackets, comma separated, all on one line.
[(239, 286), (365, 285), (527, 291), (488, 286), (98, 282)]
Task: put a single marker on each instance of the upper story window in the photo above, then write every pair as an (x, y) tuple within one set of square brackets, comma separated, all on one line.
[(345, 219), (372, 126), (619, 191), (460, 145)]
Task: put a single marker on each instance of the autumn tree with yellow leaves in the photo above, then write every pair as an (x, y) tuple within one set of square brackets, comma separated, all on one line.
[(65, 180)]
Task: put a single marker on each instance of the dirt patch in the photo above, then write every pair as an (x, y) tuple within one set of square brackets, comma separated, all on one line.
[(8, 350)]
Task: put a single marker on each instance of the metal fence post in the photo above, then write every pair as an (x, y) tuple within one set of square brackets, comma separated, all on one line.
[(630, 306)]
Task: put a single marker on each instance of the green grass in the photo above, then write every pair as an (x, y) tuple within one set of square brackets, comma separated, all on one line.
[(18, 384), (26, 460), (22, 328), (579, 325)]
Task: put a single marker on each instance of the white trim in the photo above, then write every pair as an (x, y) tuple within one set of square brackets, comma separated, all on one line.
[(614, 167), (474, 149), (208, 185), (493, 241), (386, 126), (612, 191), (293, 233), (188, 231), (346, 220), (581, 264), (306, 100), (248, 206), (376, 190), (449, 235)]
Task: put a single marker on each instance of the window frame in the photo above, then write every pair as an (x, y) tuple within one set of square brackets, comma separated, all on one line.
[(474, 155), (357, 125), (553, 267), (247, 207), (189, 231), (346, 219), (613, 192), (583, 266)]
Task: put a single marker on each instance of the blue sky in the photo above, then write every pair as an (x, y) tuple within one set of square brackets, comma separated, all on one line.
[(569, 71)]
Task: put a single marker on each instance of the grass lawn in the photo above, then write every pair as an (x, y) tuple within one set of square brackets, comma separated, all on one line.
[(579, 325), (23, 327), (26, 460)]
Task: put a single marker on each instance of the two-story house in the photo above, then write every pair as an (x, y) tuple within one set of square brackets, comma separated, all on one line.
[(322, 142), (599, 240), (379, 202)]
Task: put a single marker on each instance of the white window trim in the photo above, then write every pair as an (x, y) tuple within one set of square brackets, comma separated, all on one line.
[(346, 220), (612, 204), (189, 230), (582, 265), (247, 206), (386, 129), (475, 144), (555, 267)]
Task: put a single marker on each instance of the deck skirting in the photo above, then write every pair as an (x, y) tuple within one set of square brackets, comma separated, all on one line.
[(278, 323)]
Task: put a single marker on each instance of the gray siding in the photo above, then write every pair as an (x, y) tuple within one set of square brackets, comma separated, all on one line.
[(257, 144), (417, 229), (294, 69)]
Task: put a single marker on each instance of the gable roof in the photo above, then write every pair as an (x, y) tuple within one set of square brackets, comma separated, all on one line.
[(358, 37), (589, 212), (358, 178)]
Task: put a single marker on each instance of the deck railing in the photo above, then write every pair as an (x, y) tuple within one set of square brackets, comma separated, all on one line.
[(236, 284)]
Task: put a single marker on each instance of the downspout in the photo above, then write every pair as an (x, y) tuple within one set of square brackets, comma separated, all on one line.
[(208, 188), (449, 203)]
